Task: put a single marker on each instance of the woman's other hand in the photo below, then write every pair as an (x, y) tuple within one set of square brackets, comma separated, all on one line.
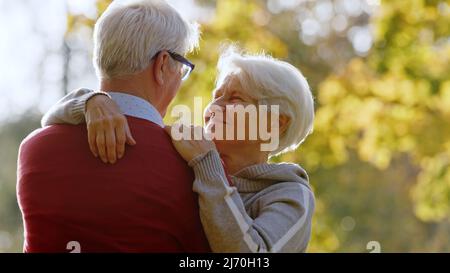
[(190, 148)]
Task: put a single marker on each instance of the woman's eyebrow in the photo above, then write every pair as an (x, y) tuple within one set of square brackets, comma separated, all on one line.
[(241, 94), (238, 92)]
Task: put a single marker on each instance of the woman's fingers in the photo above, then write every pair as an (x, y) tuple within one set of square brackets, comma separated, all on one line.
[(123, 135), (129, 138), (110, 138), (196, 132), (192, 142), (108, 129), (121, 140), (101, 147), (92, 141), (107, 139)]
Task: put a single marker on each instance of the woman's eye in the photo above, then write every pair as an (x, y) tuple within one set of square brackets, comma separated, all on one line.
[(236, 98)]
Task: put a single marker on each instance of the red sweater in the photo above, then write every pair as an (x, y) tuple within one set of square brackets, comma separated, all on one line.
[(143, 203)]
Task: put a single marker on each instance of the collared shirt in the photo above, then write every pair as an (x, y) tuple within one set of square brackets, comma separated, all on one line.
[(137, 107)]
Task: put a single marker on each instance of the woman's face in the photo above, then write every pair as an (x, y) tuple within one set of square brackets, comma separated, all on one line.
[(230, 94)]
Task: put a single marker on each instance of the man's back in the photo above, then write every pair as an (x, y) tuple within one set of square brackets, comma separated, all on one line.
[(143, 203)]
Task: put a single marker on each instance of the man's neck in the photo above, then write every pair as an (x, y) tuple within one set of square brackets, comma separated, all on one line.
[(130, 87)]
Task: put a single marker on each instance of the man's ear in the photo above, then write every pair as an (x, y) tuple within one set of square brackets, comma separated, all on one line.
[(284, 123), (160, 65)]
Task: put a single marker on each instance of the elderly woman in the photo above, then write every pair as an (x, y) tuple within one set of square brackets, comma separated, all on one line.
[(246, 204)]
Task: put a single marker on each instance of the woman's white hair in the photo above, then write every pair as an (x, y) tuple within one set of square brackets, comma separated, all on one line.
[(273, 82), (130, 33)]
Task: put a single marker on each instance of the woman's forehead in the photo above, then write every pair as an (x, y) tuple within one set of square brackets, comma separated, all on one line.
[(231, 82)]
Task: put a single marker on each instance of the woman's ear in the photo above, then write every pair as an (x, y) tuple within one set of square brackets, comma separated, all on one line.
[(284, 123), (160, 66)]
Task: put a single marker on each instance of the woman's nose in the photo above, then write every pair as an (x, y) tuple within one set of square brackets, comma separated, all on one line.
[(220, 102), (212, 109)]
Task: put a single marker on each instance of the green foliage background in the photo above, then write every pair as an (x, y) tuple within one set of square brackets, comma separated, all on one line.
[(380, 154)]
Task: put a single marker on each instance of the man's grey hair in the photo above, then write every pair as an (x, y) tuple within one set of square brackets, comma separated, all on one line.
[(130, 33), (273, 82)]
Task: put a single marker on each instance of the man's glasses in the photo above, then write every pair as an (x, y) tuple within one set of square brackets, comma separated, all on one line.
[(187, 68)]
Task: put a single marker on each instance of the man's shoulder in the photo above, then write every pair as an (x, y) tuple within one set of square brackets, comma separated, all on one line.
[(51, 135), (154, 143), (143, 124), (146, 132), (52, 130)]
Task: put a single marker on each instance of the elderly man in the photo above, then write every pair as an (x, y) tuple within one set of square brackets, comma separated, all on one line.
[(144, 203)]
